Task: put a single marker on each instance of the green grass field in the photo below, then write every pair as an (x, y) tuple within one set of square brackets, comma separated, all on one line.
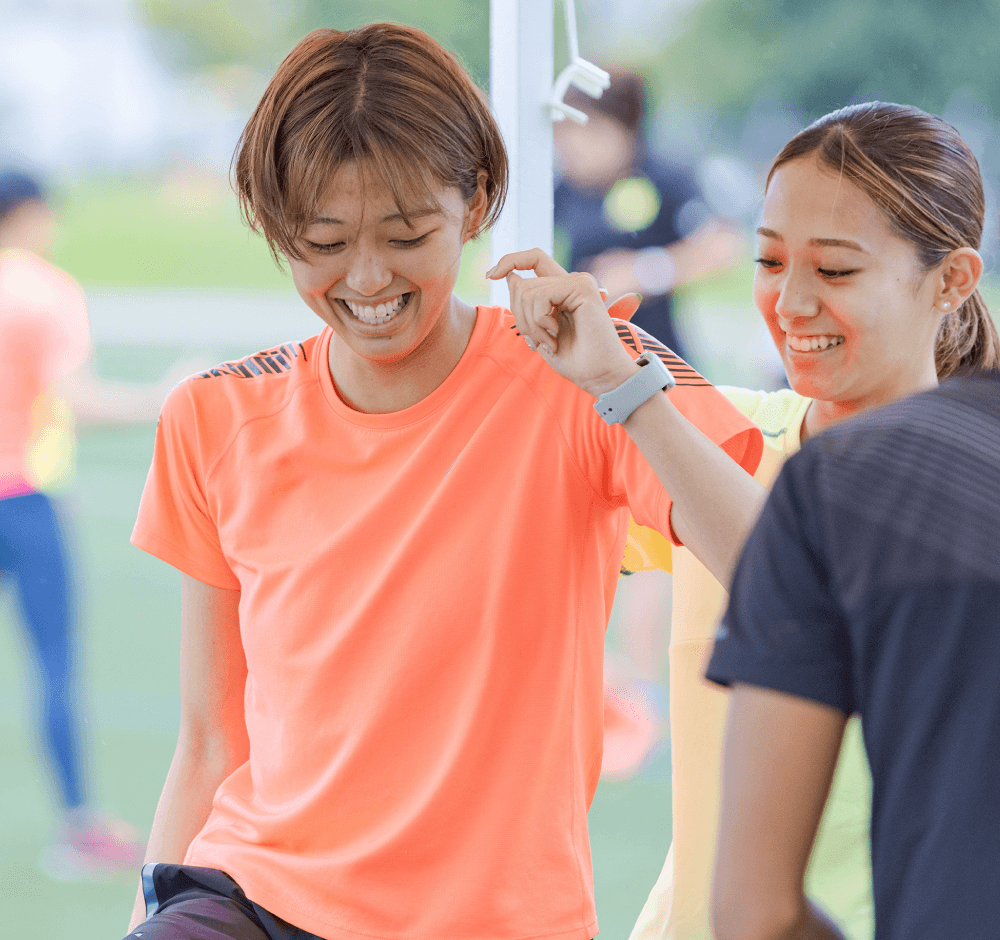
[(129, 687)]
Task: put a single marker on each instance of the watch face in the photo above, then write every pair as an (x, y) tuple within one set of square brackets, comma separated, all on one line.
[(653, 376)]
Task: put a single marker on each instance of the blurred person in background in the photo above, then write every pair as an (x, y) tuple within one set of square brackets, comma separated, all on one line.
[(50, 384), (44, 337), (870, 586), (638, 224), (867, 279)]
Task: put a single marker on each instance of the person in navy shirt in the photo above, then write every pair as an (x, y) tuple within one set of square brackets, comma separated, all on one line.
[(871, 585)]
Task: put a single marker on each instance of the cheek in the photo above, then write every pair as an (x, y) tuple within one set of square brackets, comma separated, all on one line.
[(765, 298), (310, 280)]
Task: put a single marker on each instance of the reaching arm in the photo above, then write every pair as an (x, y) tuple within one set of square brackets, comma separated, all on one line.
[(213, 740), (96, 400), (778, 761), (714, 245), (715, 503)]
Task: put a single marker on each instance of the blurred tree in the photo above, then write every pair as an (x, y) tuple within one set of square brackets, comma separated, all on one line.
[(198, 34), (206, 34), (819, 56), (463, 26)]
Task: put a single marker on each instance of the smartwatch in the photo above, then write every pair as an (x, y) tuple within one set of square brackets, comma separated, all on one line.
[(653, 376)]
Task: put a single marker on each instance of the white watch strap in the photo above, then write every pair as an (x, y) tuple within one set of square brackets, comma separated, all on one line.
[(653, 376)]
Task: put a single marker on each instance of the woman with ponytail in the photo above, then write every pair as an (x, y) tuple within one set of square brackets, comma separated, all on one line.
[(867, 272), (855, 329)]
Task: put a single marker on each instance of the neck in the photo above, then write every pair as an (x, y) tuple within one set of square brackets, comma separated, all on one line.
[(823, 414), (376, 387)]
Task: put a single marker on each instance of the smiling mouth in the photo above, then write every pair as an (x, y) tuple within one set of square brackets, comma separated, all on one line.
[(380, 313), (806, 344)]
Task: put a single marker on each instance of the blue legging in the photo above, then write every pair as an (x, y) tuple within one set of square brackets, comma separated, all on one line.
[(33, 555)]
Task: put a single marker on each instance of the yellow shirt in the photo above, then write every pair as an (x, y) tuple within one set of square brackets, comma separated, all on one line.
[(52, 451), (839, 875)]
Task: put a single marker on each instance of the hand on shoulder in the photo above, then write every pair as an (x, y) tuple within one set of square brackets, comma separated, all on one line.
[(565, 318)]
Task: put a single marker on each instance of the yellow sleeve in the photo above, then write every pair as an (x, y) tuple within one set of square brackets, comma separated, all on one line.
[(646, 550), (52, 451)]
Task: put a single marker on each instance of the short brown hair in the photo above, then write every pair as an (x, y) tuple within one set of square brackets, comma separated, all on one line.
[(386, 95), (624, 101), (917, 169)]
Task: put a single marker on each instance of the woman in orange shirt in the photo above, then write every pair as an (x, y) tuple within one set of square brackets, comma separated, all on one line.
[(399, 540)]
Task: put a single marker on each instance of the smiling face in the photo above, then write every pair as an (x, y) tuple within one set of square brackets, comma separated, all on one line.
[(384, 286), (847, 302)]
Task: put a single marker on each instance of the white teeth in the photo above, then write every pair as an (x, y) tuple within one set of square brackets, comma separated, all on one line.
[(380, 314), (813, 343)]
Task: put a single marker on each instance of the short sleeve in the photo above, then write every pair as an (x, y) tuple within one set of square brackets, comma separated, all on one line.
[(175, 522), (784, 628), (704, 406)]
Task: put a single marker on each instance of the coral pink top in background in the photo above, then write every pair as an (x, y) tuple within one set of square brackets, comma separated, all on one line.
[(44, 334)]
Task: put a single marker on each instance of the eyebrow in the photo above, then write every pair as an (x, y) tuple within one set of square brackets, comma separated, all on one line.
[(818, 242), (391, 217)]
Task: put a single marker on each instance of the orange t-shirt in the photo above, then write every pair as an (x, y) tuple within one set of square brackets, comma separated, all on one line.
[(424, 600), (44, 334)]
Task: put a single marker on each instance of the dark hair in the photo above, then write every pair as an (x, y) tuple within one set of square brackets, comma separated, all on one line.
[(384, 94), (16, 188), (917, 169), (625, 101)]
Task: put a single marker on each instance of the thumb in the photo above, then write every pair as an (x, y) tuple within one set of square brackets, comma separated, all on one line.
[(624, 307)]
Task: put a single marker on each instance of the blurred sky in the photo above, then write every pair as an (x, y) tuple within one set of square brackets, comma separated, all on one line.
[(83, 90)]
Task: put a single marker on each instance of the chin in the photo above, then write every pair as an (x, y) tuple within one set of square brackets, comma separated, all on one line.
[(810, 383)]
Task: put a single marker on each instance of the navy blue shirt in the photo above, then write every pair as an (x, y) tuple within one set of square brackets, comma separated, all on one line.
[(871, 583), (588, 220)]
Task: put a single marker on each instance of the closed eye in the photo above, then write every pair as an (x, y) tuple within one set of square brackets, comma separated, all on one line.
[(325, 248), (768, 263), (832, 275), (410, 242)]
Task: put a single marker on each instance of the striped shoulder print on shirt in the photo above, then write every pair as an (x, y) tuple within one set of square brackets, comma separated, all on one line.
[(268, 362), (639, 340)]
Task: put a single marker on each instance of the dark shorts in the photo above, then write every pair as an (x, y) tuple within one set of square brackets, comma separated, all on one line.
[(184, 902)]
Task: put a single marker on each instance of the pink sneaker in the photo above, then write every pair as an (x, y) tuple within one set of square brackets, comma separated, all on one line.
[(93, 847)]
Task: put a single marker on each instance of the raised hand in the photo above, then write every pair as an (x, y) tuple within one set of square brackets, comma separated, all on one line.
[(564, 317)]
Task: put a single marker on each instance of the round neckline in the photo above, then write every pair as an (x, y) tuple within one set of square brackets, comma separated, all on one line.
[(426, 406)]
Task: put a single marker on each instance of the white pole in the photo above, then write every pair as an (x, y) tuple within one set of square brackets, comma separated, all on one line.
[(521, 71)]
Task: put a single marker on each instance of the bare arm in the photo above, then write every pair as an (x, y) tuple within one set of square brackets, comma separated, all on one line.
[(96, 400), (213, 740), (716, 244), (715, 502), (778, 760)]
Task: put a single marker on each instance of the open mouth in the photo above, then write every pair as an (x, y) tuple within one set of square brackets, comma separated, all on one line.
[(380, 313), (813, 343)]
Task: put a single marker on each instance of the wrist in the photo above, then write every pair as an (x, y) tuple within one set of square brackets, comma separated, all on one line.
[(648, 377), (610, 380)]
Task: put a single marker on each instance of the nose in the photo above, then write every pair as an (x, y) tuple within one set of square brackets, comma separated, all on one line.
[(797, 297), (368, 273)]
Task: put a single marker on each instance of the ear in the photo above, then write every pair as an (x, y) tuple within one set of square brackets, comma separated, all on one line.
[(475, 208), (959, 276)]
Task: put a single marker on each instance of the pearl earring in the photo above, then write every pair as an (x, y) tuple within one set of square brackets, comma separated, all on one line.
[(946, 305)]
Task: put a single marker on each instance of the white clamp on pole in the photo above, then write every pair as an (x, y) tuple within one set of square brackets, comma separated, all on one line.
[(583, 74)]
